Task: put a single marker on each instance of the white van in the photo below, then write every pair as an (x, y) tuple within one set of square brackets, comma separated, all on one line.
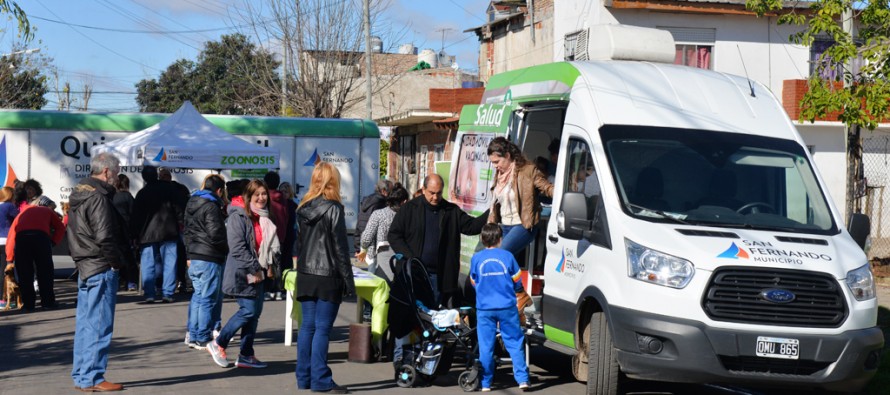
[(690, 237)]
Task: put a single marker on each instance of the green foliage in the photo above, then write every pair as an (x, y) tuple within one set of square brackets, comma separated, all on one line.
[(230, 76), (22, 84), (864, 101), (11, 7), (384, 157)]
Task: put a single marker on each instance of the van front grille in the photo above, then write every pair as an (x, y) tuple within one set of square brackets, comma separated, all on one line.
[(736, 294)]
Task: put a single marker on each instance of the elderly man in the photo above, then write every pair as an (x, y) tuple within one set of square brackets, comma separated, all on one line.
[(97, 243), (429, 227)]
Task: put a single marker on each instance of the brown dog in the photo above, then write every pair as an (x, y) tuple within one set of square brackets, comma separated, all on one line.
[(12, 290)]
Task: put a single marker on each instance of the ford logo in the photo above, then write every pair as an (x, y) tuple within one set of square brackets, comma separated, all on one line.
[(778, 295)]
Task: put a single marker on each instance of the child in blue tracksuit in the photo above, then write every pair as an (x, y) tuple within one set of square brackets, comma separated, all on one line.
[(495, 275)]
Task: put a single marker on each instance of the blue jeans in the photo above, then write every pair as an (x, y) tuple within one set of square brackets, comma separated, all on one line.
[(245, 319), (516, 237), (312, 345), (154, 256), (207, 282), (512, 336), (93, 326)]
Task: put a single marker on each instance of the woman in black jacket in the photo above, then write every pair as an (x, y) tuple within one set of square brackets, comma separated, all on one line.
[(324, 276)]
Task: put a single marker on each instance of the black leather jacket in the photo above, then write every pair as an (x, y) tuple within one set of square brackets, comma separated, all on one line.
[(324, 250), (205, 228), (95, 229)]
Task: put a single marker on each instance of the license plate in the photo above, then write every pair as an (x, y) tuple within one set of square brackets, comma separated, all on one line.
[(777, 347)]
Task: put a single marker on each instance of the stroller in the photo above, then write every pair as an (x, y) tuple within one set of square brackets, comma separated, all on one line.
[(443, 331)]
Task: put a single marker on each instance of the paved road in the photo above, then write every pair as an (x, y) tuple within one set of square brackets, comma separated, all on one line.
[(148, 355)]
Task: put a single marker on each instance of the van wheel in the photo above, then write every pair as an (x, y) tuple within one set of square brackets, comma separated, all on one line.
[(603, 373)]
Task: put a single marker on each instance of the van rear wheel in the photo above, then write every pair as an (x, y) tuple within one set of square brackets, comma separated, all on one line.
[(604, 376)]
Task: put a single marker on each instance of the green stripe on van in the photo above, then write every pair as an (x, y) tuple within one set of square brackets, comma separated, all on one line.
[(131, 122), (561, 71), (559, 336)]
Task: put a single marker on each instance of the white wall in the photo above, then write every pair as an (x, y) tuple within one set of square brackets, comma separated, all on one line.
[(764, 45), (829, 156)]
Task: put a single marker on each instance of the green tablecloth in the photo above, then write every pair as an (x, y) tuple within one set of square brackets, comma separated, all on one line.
[(367, 287)]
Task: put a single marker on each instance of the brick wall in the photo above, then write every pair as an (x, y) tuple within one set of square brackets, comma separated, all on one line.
[(792, 93), (452, 100)]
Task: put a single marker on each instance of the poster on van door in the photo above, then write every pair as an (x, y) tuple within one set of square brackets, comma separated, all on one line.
[(344, 155), (473, 173)]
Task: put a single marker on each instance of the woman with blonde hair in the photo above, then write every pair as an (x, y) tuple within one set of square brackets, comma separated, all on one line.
[(324, 276)]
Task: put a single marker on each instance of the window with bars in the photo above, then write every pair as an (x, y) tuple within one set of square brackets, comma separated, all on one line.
[(694, 46), (694, 55)]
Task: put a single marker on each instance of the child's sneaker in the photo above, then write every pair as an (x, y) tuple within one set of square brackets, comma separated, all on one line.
[(523, 386), (249, 362), (485, 389), (218, 353)]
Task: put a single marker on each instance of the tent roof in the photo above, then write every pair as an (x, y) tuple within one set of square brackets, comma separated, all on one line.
[(187, 139)]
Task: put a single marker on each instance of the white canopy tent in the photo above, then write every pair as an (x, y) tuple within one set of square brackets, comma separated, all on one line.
[(188, 140)]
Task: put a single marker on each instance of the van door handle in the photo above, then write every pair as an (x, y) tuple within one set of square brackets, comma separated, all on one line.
[(552, 238)]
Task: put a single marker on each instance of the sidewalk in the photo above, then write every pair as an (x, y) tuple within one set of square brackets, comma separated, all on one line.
[(148, 356)]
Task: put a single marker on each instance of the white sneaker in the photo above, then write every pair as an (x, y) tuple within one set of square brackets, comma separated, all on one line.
[(188, 339)]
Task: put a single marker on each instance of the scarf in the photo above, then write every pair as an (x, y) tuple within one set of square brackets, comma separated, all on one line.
[(269, 246), (504, 178)]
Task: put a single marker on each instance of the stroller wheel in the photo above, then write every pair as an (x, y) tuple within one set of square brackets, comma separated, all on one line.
[(406, 376), (468, 380)]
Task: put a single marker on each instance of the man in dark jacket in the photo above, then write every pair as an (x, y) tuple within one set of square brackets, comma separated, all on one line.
[(374, 201), (97, 246), (429, 227), (205, 241), (157, 213)]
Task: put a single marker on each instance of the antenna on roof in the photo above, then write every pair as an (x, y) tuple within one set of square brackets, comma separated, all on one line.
[(750, 85)]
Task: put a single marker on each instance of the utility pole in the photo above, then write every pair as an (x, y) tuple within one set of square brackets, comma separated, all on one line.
[(851, 132), (368, 96)]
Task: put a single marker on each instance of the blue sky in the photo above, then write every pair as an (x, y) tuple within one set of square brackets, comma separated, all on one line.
[(113, 61)]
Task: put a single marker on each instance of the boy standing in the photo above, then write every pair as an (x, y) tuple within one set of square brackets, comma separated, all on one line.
[(495, 275)]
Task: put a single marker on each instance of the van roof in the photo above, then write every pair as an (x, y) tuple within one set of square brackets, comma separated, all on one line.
[(645, 93), (235, 124)]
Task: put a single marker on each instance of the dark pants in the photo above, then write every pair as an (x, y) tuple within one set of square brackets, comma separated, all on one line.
[(34, 255)]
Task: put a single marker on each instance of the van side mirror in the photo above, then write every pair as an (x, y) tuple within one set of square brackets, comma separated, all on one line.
[(571, 221), (859, 227)]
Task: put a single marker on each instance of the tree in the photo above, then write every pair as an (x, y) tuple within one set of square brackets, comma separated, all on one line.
[(863, 100), (323, 44), (227, 78), (384, 158), (22, 84), (11, 7)]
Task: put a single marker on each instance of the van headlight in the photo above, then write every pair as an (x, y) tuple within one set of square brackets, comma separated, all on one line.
[(861, 283), (655, 267)]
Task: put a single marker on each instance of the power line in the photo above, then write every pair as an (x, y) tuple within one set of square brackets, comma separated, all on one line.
[(473, 14), (135, 31), (98, 43)]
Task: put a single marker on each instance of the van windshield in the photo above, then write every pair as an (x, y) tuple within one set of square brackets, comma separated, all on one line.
[(716, 179)]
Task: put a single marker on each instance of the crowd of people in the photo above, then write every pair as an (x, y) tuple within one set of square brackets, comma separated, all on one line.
[(236, 238)]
